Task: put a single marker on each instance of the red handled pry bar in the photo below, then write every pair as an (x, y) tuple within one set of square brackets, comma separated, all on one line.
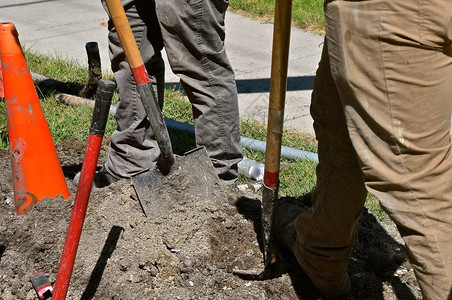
[(101, 110)]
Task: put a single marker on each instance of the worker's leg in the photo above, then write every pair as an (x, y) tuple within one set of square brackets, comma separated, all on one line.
[(193, 34), (393, 73), (132, 147), (396, 101), (326, 232)]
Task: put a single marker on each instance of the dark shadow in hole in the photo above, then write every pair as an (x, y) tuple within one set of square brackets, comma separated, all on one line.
[(251, 210), (70, 171), (50, 86), (107, 251), (2, 250), (376, 257), (182, 141)]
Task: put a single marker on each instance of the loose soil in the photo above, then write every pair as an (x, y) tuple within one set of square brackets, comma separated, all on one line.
[(188, 253)]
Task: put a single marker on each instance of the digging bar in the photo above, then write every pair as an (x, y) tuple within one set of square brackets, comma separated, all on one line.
[(278, 86), (146, 184), (96, 132)]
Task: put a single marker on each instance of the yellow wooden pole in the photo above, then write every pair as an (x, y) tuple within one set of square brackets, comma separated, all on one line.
[(128, 44), (278, 86)]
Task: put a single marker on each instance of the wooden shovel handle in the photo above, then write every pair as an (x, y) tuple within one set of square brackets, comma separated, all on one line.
[(143, 82), (278, 85), (119, 18)]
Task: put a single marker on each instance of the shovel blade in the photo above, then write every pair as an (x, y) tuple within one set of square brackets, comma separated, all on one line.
[(192, 174), (146, 187)]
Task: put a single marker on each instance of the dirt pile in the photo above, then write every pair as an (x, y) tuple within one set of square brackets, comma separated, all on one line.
[(188, 253)]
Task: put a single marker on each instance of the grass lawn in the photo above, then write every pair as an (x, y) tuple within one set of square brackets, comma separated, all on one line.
[(306, 14)]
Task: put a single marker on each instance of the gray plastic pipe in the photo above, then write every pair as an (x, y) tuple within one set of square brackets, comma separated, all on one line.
[(250, 168), (286, 152)]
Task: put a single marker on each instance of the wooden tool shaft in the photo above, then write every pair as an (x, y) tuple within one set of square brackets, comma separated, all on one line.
[(119, 19), (278, 85)]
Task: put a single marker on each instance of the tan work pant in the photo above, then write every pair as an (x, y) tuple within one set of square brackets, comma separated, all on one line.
[(381, 105)]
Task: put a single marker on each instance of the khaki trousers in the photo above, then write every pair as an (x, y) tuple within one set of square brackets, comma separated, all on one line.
[(382, 105)]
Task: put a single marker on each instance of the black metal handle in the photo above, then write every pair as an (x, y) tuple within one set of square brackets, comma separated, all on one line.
[(155, 117), (94, 70), (105, 92)]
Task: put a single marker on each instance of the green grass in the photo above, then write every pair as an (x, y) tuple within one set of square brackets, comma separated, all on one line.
[(306, 14), (57, 68), (297, 177), (3, 126), (63, 121), (176, 107)]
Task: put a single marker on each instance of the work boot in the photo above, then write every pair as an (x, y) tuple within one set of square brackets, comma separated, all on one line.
[(230, 177), (283, 237), (102, 178), (284, 234)]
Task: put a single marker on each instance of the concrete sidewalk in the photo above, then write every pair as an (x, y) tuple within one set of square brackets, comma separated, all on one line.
[(62, 28)]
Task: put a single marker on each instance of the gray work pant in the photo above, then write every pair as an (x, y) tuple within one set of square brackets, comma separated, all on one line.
[(193, 34), (382, 105)]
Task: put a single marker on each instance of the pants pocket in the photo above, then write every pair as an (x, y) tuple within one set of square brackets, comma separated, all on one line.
[(435, 23)]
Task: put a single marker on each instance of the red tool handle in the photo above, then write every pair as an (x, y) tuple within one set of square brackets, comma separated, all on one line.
[(98, 123)]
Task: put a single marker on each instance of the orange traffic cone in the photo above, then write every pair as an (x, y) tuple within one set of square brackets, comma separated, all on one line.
[(36, 169), (2, 92)]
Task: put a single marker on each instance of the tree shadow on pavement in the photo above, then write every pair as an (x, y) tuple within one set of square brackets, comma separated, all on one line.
[(376, 257)]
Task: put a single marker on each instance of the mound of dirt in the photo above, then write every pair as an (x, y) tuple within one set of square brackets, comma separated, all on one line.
[(188, 253)]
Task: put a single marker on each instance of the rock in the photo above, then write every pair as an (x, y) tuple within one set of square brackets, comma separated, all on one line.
[(8, 201), (31, 295), (8, 296)]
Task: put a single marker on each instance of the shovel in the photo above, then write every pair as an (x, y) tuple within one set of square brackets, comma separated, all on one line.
[(194, 168), (278, 85)]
